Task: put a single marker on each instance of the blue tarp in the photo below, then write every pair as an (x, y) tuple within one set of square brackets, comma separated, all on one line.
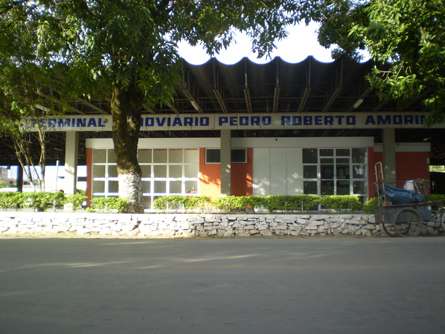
[(401, 196)]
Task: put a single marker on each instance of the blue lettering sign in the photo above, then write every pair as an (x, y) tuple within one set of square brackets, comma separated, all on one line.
[(267, 120), (188, 121), (204, 121), (177, 121), (296, 120), (255, 120), (160, 121), (397, 119), (285, 120), (408, 119), (350, 120), (63, 122), (81, 122), (92, 122), (383, 119), (339, 119), (370, 120), (223, 120)]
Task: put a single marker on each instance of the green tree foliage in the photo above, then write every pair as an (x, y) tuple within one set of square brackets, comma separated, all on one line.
[(28, 83), (405, 37), (126, 51)]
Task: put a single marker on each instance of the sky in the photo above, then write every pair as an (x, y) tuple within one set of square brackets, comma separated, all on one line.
[(301, 43)]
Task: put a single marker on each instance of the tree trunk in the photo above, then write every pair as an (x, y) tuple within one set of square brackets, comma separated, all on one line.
[(126, 124)]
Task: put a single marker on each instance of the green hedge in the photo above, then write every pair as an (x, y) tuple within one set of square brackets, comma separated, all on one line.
[(41, 201), (272, 203)]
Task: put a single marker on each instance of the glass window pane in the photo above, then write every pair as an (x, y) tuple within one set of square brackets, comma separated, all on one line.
[(111, 156), (147, 202), (310, 155), (112, 171), (310, 172), (175, 156), (191, 187), (327, 187), (326, 152), (146, 187), (359, 155), (342, 152), (99, 156), (342, 161), (98, 171), (144, 156), (160, 187), (175, 171), (98, 186), (146, 171), (175, 187), (191, 170), (213, 156), (359, 171), (191, 156), (159, 156), (343, 172), (310, 187), (327, 172), (343, 188), (326, 161), (239, 156), (360, 187), (160, 170), (113, 186)]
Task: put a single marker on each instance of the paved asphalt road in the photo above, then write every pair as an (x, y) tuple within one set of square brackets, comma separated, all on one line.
[(311, 285)]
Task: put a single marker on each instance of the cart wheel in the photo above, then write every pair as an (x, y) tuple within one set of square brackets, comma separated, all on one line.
[(389, 227), (442, 219), (407, 222)]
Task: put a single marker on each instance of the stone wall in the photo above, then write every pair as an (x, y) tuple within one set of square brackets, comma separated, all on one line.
[(190, 225)]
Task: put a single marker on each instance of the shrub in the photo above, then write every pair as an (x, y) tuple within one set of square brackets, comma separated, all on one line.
[(75, 200), (108, 204), (9, 200), (233, 203), (202, 203), (341, 203), (41, 200), (370, 205)]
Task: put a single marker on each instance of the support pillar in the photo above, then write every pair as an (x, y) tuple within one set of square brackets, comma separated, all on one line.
[(226, 150), (389, 155), (19, 178), (71, 149)]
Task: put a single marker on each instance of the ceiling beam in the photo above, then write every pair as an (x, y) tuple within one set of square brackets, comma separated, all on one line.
[(333, 97), (64, 104), (276, 99), (172, 107), (307, 92), (360, 99), (220, 100), (92, 106), (193, 101), (380, 105), (276, 93)]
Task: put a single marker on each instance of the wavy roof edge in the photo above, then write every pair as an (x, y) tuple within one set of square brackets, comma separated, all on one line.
[(279, 59)]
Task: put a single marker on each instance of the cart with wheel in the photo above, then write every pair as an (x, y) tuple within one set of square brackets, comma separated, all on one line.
[(401, 219)]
